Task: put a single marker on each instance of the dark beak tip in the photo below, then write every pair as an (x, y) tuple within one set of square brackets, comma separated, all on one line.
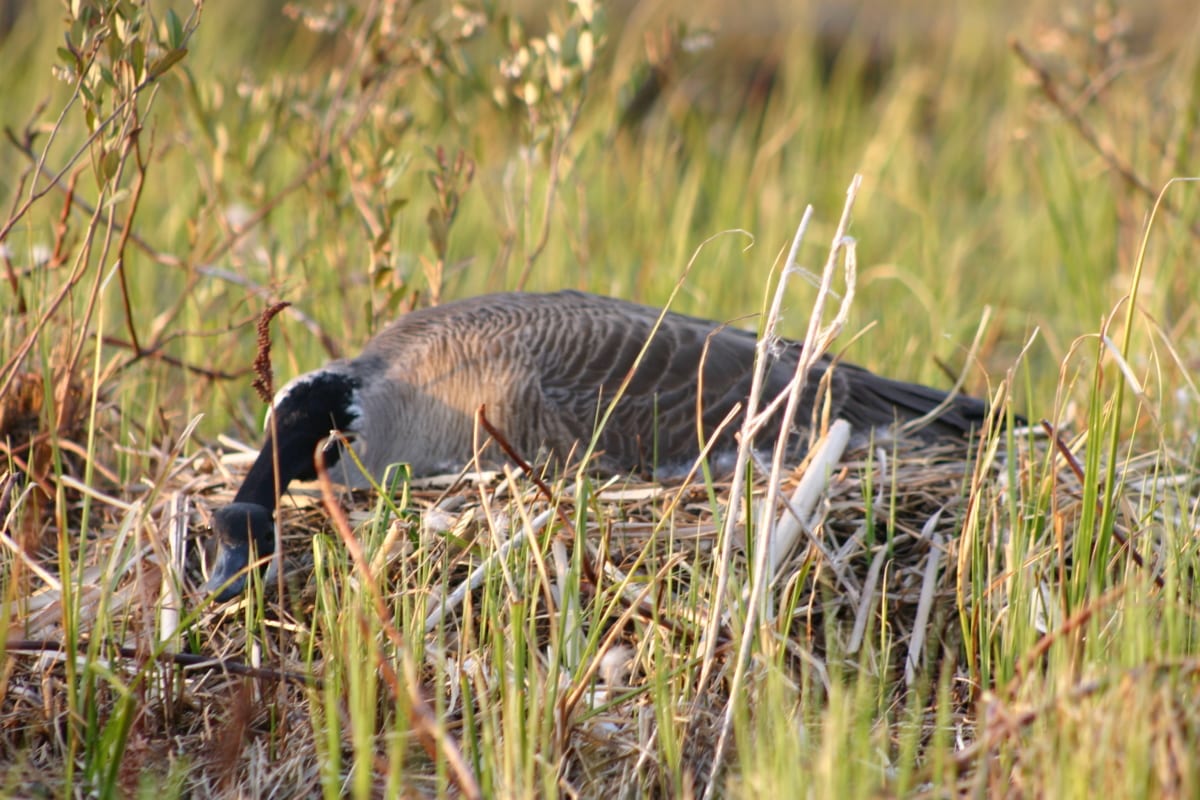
[(222, 596), (228, 578), (222, 588)]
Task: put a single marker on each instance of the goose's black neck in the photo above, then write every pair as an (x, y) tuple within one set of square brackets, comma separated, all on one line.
[(305, 412)]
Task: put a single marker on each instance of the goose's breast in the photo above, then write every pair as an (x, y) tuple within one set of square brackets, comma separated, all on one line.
[(423, 410)]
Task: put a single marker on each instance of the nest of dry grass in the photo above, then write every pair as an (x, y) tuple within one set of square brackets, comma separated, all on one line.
[(879, 554)]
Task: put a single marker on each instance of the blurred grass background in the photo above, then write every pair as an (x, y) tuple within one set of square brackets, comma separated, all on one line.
[(356, 160)]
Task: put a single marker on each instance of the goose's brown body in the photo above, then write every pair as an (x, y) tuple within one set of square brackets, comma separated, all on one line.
[(546, 366)]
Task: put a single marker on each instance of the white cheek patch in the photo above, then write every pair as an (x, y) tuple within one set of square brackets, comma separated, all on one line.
[(354, 410)]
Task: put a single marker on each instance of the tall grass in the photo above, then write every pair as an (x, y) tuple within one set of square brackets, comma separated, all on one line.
[(170, 170)]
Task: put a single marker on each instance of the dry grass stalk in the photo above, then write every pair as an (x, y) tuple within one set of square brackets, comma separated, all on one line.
[(817, 340)]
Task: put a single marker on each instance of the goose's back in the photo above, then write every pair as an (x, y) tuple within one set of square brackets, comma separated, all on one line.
[(547, 366)]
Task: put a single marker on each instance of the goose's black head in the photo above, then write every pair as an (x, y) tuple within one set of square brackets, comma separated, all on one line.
[(306, 411), (236, 526)]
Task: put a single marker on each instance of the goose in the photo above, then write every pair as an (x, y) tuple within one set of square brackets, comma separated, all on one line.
[(546, 367)]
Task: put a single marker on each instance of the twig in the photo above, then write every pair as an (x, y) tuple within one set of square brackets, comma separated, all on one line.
[(589, 569), (708, 642), (1106, 151), (1075, 621), (32, 563), (804, 498), (189, 661), (475, 579), (25, 148), (156, 353), (590, 573), (101, 277), (132, 142), (12, 366), (863, 610), (524, 466), (916, 644), (14, 284), (556, 154), (36, 194), (331, 347)]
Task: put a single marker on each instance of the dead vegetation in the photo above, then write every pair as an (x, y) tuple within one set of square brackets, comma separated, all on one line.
[(236, 703)]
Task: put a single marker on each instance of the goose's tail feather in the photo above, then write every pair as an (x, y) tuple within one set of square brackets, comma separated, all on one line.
[(874, 401)]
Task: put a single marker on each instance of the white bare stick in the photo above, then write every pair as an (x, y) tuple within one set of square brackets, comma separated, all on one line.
[(863, 612), (171, 602), (816, 341), (804, 498), (916, 644), (708, 642)]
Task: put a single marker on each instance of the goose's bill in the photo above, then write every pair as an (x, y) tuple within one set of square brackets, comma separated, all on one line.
[(228, 579), (236, 526)]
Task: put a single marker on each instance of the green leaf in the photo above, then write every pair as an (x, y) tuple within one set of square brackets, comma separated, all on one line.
[(119, 27), (109, 164), (137, 56), (163, 64), (174, 30)]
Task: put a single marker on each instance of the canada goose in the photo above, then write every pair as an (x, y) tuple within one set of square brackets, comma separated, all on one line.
[(546, 366)]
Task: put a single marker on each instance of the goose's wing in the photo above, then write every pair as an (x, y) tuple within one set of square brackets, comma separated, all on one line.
[(693, 373), (598, 342)]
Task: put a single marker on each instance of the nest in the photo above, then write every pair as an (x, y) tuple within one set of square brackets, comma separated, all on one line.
[(877, 557)]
